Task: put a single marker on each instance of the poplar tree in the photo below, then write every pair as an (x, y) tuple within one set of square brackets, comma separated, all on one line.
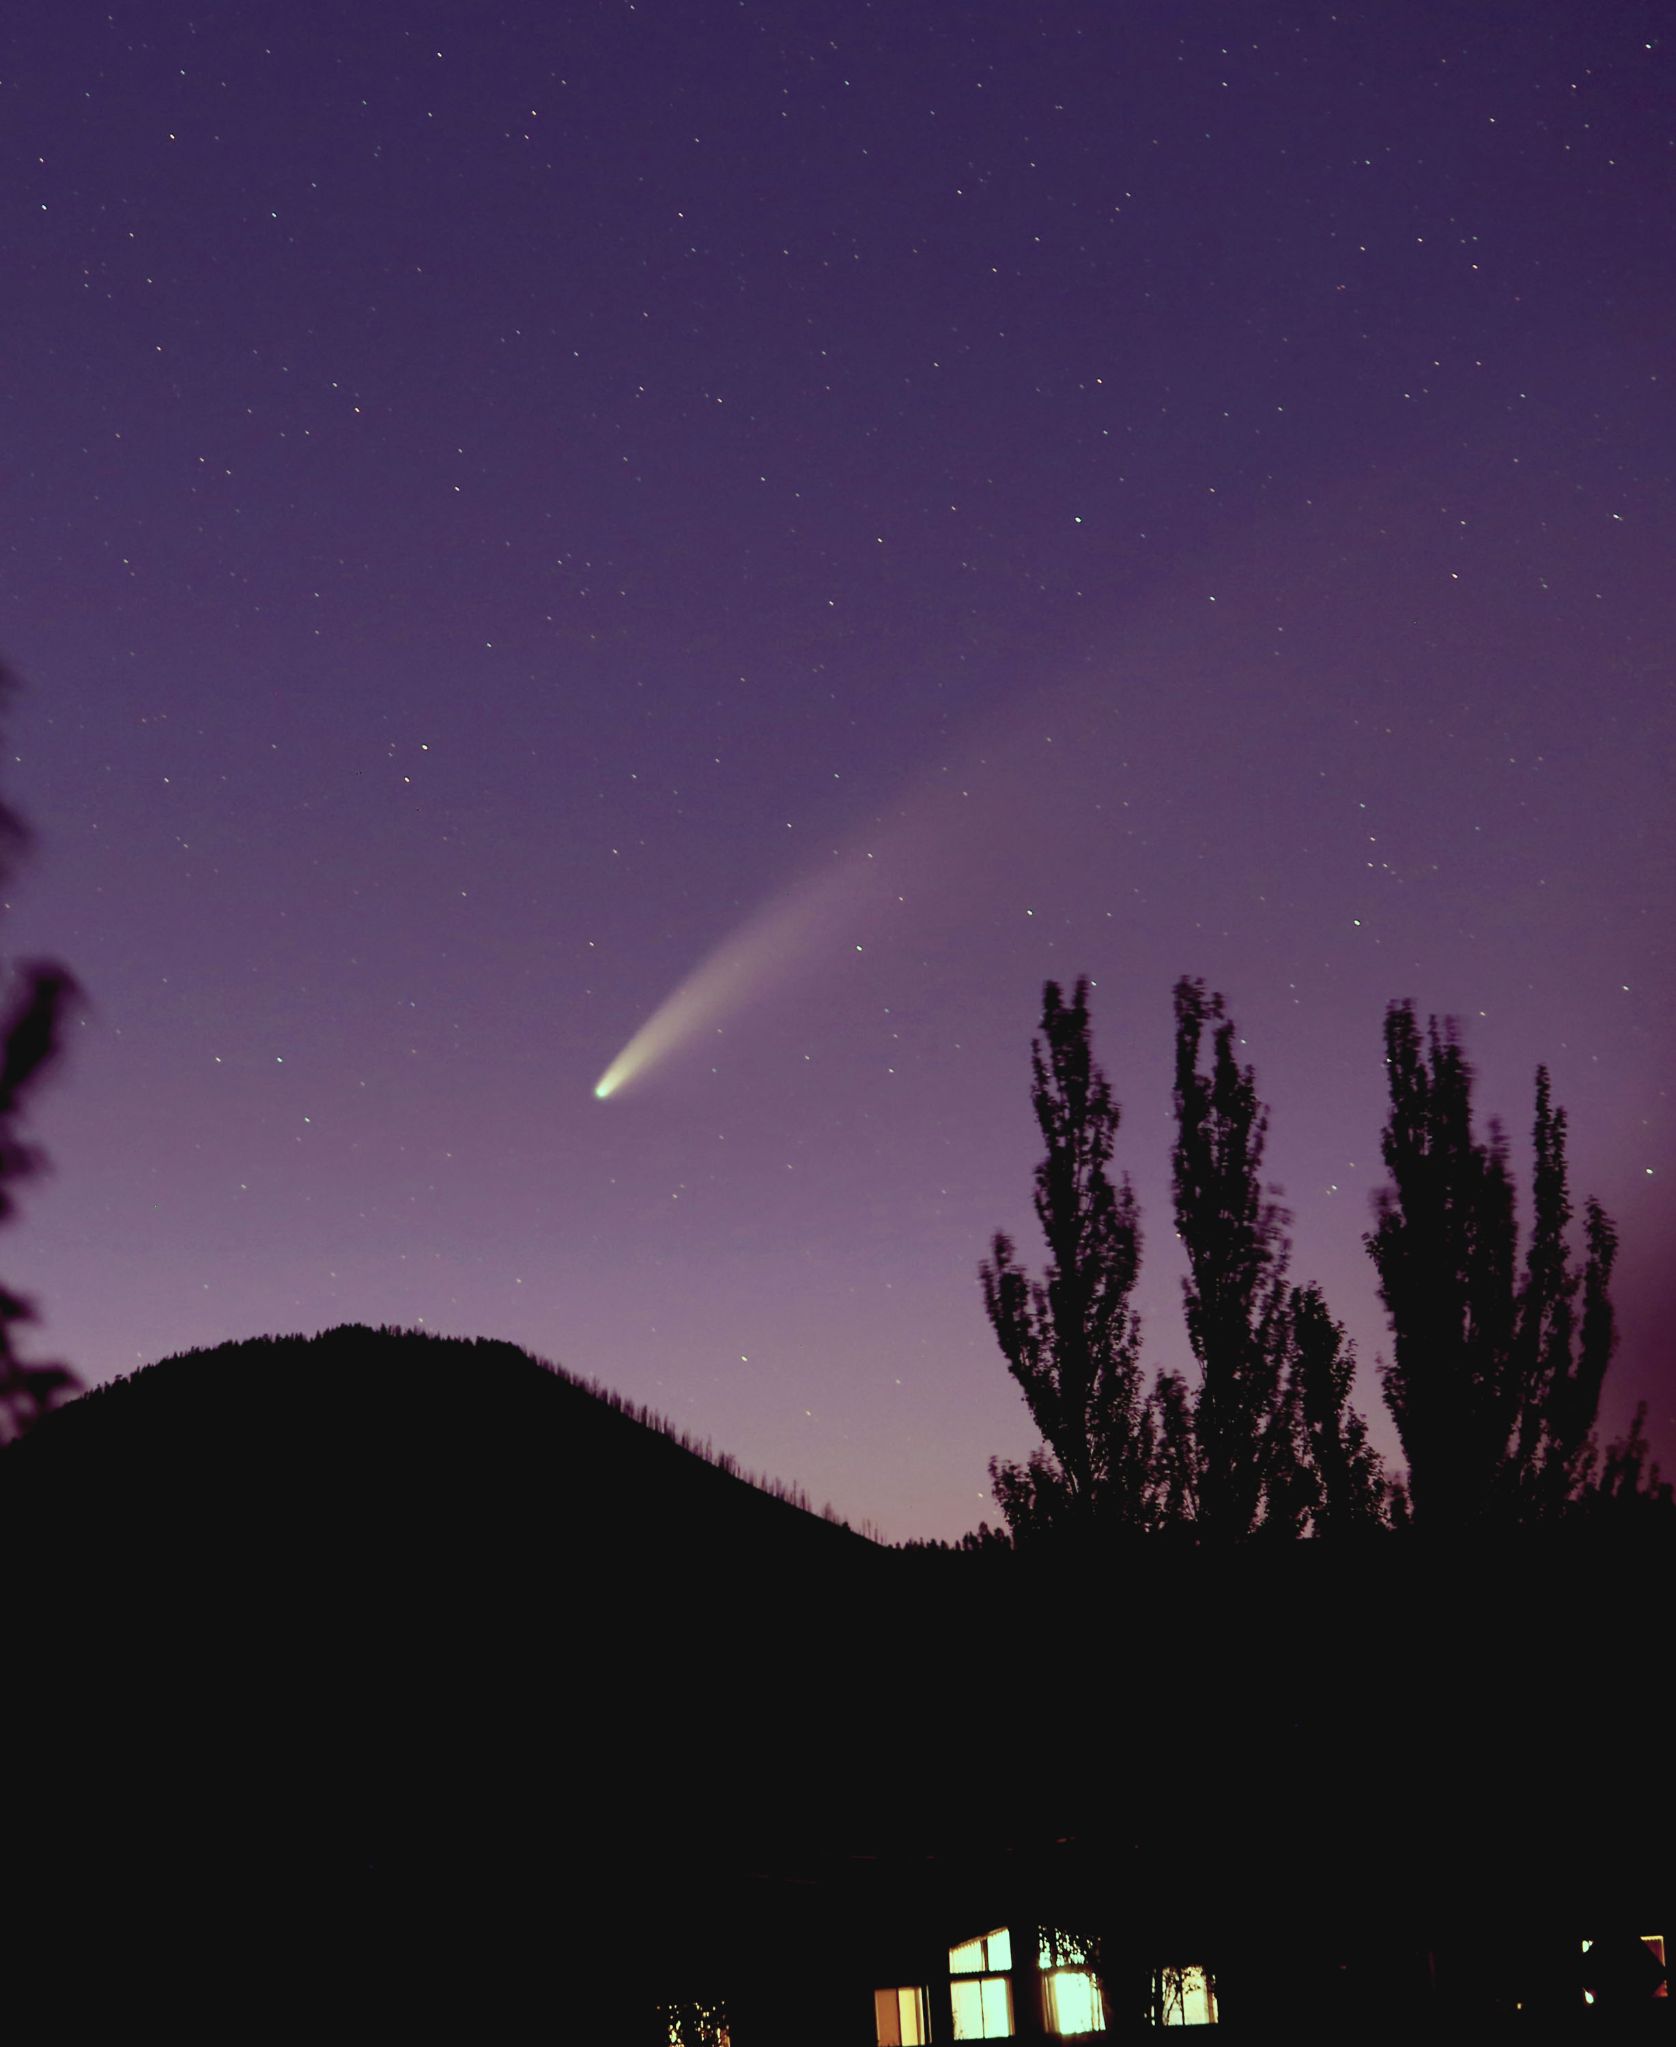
[(1443, 1246), (1565, 1332), (1236, 1299), (1071, 1339), (1349, 1493), (1495, 1376), (1268, 1440)]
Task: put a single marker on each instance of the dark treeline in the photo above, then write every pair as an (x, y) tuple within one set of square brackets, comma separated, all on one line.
[(1496, 1367)]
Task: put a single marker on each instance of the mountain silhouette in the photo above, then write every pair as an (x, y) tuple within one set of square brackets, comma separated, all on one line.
[(286, 1441), (408, 1678), (326, 1640)]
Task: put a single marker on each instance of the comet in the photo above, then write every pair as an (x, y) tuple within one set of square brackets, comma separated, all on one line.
[(953, 823), (783, 934)]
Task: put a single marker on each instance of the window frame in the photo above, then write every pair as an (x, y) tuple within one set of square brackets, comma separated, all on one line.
[(990, 1975), (898, 2035)]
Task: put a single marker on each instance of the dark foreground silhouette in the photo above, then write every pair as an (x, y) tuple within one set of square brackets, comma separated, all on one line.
[(376, 1681)]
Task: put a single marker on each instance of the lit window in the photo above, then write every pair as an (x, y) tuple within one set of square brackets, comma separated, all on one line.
[(983, 2007), (988, 1951), (1186, 1996), (1070, 1989), (900, 2018), (983, 2002), (1074, 2004)]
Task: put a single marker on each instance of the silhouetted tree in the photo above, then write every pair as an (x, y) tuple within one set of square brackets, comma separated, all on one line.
[(1072, 1341), (1443, 1244), (1291, 1484), (1560, 1357), (1268, 1439), (1175, 1463), (1348, 1490), (29, 1042), (1494, 1380), (1243, 1444), (1630, 1491)]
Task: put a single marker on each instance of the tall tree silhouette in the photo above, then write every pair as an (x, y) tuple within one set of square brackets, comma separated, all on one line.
[(1348, 1491), (1560, 1356), (29, 1042), (1268, 1440), (1494, 1381), (1243, 1441), (1072, 1340)]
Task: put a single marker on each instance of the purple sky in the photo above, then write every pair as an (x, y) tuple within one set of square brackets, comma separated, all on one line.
[(496, 498)]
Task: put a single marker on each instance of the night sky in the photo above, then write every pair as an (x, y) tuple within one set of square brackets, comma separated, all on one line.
[(505, 509)]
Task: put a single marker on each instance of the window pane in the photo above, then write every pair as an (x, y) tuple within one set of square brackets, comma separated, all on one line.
[(967, 1959), (997, 2007), (899, 2016), (966, 1994), (1073, 2002), (983, 2008), (1000, 1945), (1189, 1998)]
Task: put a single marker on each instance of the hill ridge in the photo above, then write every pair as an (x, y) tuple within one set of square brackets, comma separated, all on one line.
[(791, 1493)]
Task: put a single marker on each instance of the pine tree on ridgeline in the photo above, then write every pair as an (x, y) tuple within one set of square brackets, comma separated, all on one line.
[(1495, 1377), (1072, 1340)]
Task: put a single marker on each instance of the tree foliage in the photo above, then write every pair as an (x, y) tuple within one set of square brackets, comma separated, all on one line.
[(1348, 1492), (28, 1044), (1498, 1363), (1235, 1295), (1072, 1340), (1495, 1376), (1268, 1440), (30, 1038), (1631, 1490)]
